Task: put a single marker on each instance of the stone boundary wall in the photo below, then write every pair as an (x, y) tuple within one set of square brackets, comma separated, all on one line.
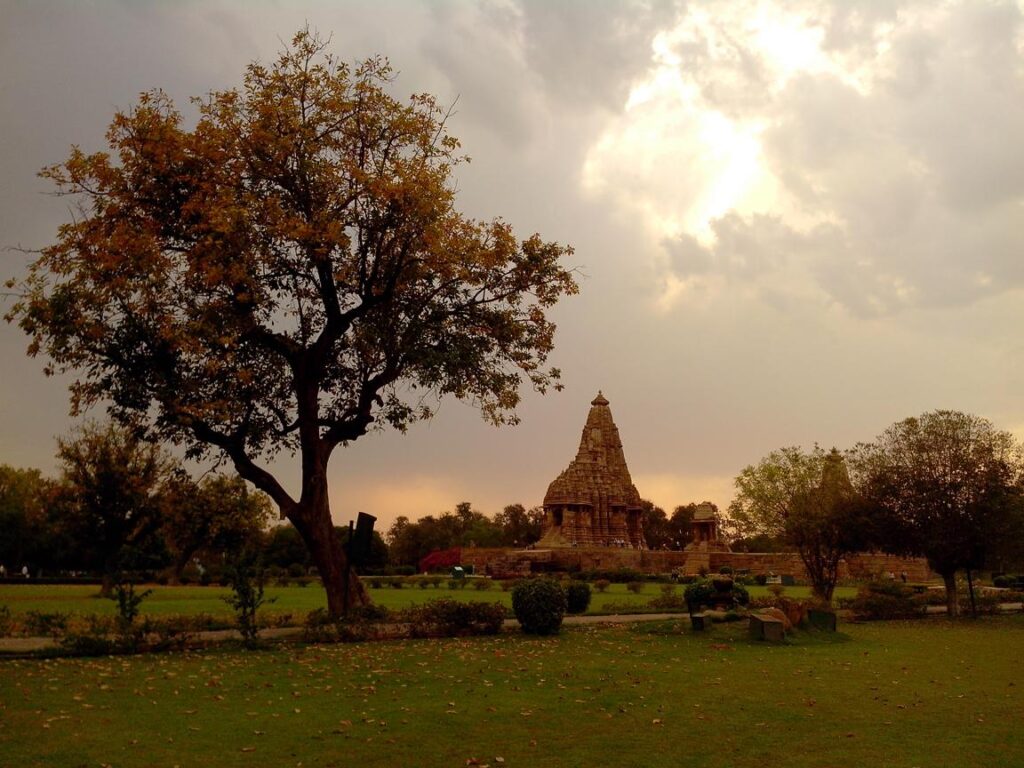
[(522, 562)]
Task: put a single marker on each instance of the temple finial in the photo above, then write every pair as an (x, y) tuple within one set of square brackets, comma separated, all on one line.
[(600, 399)]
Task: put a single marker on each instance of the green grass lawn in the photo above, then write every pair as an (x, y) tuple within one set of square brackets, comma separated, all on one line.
[(190, 600), (892, 694)]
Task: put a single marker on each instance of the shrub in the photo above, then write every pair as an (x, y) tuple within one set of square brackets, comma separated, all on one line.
[(6, 622), (87, 644), (539, 605), (455, 618), (636, 587), (886, 600), (396, 582), (725, 570), (776, 589), (698, 593), (761, 579), (668, 600), (508, 584), (296, 569), (577, 597), (722, 583), (1004, 581), (601, 585), (482, 585), (456, 583), (709, 592), (39, 623), (128, 606), (375, 583), (247, 579), (740, 594)]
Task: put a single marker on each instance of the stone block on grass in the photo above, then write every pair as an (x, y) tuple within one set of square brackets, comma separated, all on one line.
[(767, 628), (822, 620)]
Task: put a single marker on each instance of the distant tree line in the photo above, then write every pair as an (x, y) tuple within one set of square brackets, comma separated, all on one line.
[(409, 541), (121, 504)]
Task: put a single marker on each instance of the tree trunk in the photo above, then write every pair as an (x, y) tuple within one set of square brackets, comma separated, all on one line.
[(952, 604), (107, 584), (317, 530), (970, 589)]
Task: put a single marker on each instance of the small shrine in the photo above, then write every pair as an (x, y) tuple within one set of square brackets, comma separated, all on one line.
[(594, 503), (704, 530)]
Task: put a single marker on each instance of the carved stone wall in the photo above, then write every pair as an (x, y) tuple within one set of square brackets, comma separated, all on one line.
[(594, 502)]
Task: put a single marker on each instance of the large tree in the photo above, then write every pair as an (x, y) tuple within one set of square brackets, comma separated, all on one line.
[(287, 275), (948, 487)]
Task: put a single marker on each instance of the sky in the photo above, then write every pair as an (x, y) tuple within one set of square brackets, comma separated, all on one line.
[(793, 222)]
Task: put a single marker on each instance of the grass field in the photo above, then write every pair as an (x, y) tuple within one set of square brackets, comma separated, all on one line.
[(191, 600), (882, 695)]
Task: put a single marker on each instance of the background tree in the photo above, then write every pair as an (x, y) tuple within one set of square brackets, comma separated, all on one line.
[(287, 275), (24, 531), (113, 497), (765, 491), (284, 547), (806, 500), (216, 517), (519, 526), (827, 522), (947, 486), (655, 525)]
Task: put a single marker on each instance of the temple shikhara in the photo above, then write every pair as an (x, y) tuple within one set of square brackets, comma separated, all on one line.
[(594, 503)]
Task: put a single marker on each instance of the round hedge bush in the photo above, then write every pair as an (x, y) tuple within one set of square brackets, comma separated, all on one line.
[(539, 605), (577, 597)]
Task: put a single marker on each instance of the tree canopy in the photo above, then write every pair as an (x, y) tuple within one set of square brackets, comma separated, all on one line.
[(806, 500), (947, 486), (288, 274), (113, 496)]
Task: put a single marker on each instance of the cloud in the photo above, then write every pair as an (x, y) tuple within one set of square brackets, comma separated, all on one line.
[(802, 151)]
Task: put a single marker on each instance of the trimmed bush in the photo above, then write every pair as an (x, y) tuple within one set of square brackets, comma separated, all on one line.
[(577, 597), (482, 585), (539, 605), (636, 587), (601, 585), (1004, 581), (725, 570), (761, 579)]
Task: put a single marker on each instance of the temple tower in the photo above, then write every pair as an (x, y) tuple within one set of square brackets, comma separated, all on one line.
[(594, 503)]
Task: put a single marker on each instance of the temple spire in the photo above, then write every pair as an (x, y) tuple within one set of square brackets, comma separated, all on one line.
[(594, 502)]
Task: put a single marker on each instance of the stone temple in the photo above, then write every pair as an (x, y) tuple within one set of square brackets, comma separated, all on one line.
[(594, 503)]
